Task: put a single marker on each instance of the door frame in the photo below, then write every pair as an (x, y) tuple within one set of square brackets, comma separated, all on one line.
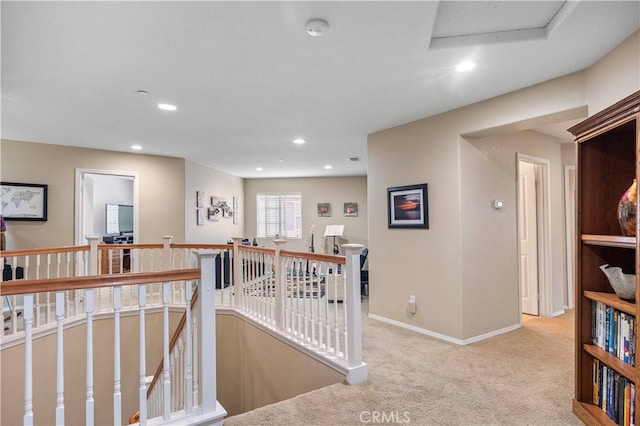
[(543, 198), (79, 238), (570, 222)]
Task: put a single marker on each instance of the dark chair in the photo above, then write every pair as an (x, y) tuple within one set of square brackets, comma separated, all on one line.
[(364, 274)]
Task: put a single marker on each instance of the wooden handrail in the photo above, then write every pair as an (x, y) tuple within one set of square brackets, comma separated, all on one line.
[(203, 246), (9, 288), (265, 250), (103, 246), (47, 250), (172, 342), (320, 257)]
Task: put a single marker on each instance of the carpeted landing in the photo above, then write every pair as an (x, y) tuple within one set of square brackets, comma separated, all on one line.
[(524, 377)]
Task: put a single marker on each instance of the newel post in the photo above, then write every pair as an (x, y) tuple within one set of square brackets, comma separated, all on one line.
[(354, 321), (93, 254), (166, 252), (237, 273), (279, 281), (207, 329)]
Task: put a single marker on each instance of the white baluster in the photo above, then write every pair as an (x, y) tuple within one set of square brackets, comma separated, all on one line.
[(189, 356), (142, 299), (196, 369), (88, 304), (179, 379), (28, 360), (60, 359), (166, 380), (173, 363), (48, 305), (117, 397)]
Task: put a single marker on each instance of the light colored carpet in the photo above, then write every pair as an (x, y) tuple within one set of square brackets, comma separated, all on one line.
[(524, 377)]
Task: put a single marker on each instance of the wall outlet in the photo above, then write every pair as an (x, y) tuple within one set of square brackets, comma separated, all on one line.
[(412, 305)]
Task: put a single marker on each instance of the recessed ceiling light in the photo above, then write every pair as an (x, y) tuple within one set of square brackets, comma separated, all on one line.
[(299, 141), (167, 107), (317, 27), (465, 66), (136, 147), (259, 169), (328, 166)]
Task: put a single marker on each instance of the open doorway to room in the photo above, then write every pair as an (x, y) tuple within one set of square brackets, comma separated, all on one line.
[(534, 239), (100, 195)]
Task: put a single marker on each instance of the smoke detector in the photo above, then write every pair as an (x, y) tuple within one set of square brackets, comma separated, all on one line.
[(317, 27)]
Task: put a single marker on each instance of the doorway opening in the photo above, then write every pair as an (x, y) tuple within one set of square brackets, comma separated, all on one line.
[(95, 190), (534, 239)]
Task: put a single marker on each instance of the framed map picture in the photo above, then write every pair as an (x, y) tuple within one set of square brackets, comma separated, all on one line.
[(24, 201)]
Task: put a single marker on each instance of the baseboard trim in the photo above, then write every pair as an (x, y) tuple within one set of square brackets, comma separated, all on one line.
[(444, 337)]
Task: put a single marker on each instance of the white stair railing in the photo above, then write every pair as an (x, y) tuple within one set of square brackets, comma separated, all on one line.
[(185, 387), (312, 299)]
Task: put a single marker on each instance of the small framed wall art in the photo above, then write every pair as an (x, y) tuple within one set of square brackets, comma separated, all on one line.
[(408, 206), (351, 209), (324, 209)]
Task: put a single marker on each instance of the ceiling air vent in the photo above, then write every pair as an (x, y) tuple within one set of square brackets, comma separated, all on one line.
[(354, 159)]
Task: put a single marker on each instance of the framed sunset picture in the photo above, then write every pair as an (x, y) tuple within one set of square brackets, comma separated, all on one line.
[(408, 206)]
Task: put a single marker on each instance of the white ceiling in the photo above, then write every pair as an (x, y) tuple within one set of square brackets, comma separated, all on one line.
[(247, 79)]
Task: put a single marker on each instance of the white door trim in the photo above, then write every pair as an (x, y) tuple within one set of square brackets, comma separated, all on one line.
[(569, 197), (544, 233), (79, 201)]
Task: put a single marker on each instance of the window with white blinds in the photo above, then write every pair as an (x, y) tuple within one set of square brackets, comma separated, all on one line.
[(279, 215)]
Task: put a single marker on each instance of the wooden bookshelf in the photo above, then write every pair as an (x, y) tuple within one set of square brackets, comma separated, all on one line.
[(607, 164)]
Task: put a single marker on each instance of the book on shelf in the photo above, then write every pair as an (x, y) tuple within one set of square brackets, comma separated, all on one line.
[(613, 331), (613, 393)]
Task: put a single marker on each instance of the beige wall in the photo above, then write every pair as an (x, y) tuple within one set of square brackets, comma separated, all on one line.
[(437, 265), (334, 190), (615, 76), (256, 369), (44, 371), (488, 170), (161, 187), (212, 183), (457, 259)]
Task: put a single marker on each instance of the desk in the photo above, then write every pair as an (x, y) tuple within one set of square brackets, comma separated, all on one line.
[(118, 259)]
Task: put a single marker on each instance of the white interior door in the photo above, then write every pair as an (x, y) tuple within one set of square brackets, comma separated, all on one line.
[(528, 238)]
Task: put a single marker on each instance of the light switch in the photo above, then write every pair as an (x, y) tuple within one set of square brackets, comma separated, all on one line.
[(498, 204)]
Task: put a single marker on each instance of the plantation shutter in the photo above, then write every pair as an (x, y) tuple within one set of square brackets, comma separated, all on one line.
[(279, 215)]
